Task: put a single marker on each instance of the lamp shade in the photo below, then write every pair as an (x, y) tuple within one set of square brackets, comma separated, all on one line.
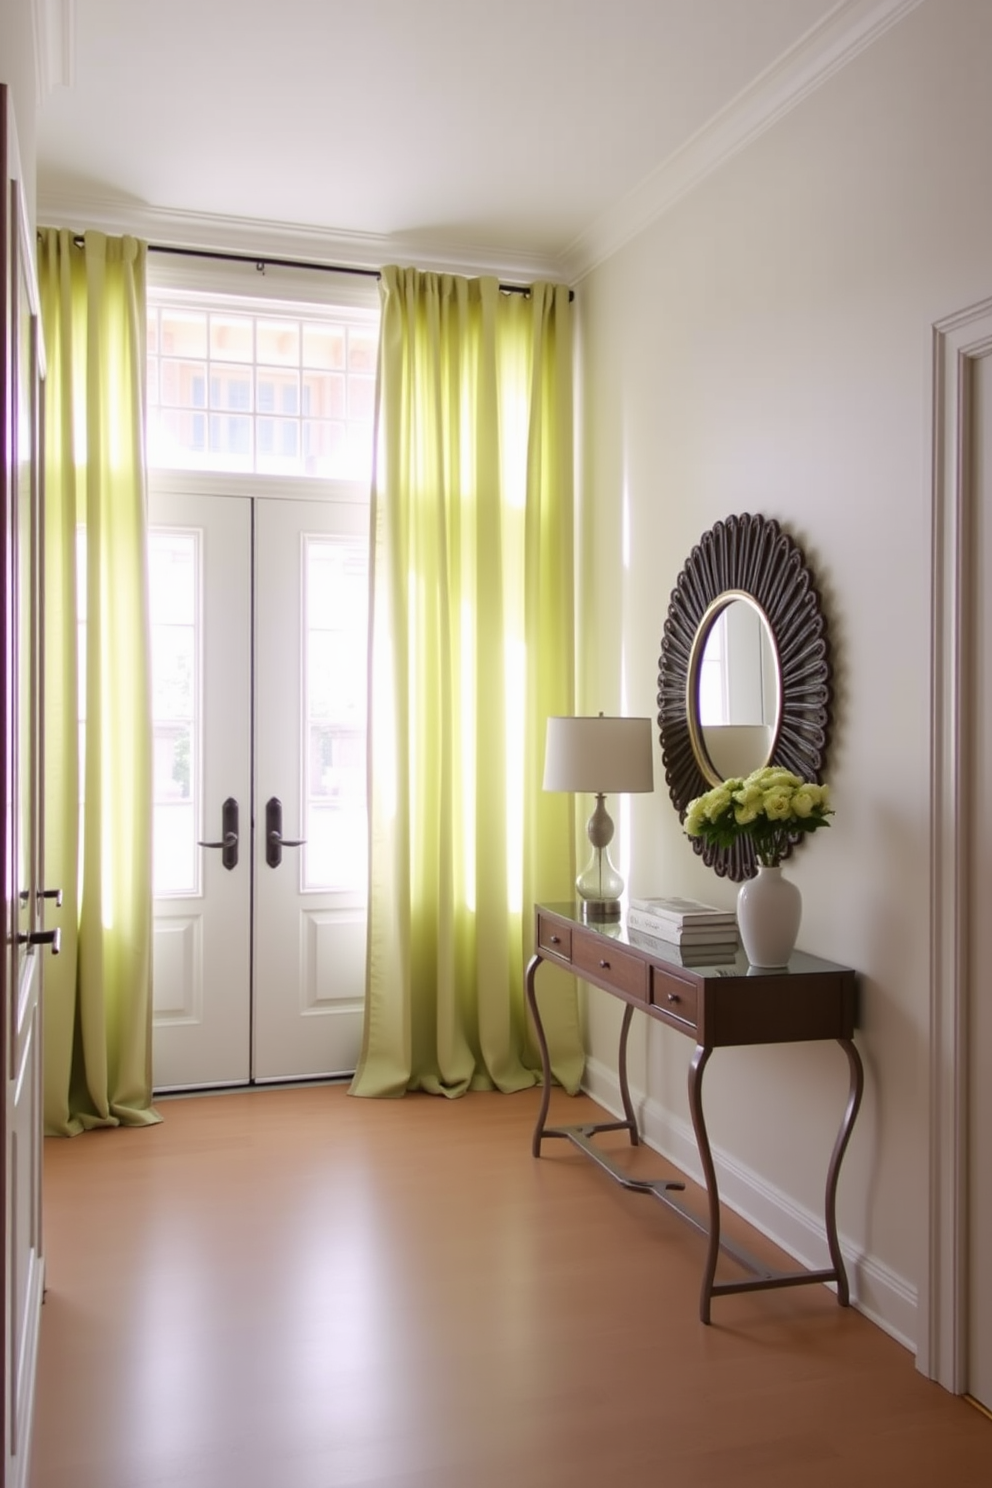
[(605, 756)]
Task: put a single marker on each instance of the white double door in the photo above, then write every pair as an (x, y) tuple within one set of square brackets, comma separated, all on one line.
[(258, 643)]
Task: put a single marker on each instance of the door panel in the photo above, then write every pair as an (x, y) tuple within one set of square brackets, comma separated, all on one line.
[(311, 605), (259, 631), (22, 888), (200, 568)]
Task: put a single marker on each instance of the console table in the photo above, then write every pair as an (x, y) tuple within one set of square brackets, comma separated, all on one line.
[(719, 1006)]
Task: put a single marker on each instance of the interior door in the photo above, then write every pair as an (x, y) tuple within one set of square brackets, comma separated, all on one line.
[(259, 639), (21, 735), (200, 582), (311, 629)]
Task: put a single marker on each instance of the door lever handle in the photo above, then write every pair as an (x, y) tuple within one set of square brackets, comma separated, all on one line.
[(51, 938), (229, 826), (274, 840)]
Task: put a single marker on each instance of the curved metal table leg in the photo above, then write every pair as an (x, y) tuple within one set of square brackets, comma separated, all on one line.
[(855, 1092), (696, 1067), (628, 1108), (531, 995)]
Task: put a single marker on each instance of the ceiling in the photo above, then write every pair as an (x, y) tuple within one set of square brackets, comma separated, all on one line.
[(460, 131)]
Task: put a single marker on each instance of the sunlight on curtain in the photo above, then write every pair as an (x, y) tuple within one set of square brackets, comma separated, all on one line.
[(97, 784), (471, 650)]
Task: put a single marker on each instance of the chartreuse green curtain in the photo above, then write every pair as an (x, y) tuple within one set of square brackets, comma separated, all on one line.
[(97, 767), (471, 650)]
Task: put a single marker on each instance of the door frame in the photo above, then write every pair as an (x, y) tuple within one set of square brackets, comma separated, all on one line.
[(251, 487), (959, 341)]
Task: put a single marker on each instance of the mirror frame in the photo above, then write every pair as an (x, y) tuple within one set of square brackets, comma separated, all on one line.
[(747, 556)]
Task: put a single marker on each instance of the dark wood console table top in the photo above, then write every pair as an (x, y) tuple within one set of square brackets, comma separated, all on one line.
[(719, 1006)]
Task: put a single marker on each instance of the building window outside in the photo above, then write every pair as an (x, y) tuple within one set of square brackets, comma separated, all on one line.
[(234, 389)]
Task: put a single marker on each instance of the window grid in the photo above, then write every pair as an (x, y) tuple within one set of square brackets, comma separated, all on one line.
[(240, 390)]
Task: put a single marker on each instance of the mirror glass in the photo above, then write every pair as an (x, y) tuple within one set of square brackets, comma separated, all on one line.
[(737, 689)]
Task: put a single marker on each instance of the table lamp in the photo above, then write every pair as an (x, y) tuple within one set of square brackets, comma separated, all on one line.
[(599, 755)]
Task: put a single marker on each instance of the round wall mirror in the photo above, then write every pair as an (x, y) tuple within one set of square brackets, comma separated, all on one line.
[(735, 680), (744, 673)]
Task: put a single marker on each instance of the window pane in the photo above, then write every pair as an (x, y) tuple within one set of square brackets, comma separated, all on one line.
[(324, 395), (278, 342), (172, 671), (172, 578), (362, 349), (172, 762), (336, 578), (230, 438), (232, 338), (325, 448), (184, 384), (174, 851), (230, 387), (278, 446), (324, 345), (184, 333), (278, 392), (361, 397), (173, 583), (337, 848), (177, 438)]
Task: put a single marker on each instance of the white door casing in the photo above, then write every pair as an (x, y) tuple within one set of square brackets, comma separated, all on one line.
[(960, 399), (978, 1014)]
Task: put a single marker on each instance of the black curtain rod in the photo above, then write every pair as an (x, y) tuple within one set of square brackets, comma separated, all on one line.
[(260, 263)]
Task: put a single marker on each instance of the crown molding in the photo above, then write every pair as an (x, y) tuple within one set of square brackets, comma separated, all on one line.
[(847, 30), (260, 238), (53, 23)]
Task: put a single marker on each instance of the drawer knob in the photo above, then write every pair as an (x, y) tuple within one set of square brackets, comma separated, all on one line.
[(605, 965), (555, 939), (674, 997)]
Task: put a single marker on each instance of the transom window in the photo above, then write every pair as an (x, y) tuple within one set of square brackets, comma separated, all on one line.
[(236, 386)]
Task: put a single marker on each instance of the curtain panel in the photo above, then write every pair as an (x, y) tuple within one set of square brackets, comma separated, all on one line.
[(97, 780), (471, 648)]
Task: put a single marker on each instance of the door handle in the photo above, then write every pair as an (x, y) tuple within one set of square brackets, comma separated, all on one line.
[(229, 826), (274, 840), (51, 938)]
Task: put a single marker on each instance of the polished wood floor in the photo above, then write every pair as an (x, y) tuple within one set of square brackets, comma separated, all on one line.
[(298, 1289)]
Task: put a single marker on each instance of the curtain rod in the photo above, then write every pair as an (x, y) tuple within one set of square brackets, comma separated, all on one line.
[(260, 262)]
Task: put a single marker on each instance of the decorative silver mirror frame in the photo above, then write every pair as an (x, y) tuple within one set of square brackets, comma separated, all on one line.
[(750, 556)]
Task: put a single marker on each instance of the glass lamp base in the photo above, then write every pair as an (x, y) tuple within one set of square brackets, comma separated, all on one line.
[(599, 885), (601, 909)]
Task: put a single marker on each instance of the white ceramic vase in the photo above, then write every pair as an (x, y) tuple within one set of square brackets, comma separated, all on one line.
[(769, 909)]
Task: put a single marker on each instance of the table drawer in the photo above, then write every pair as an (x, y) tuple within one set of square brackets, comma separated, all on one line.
[(553, 939), (674, 999), (600, 958)]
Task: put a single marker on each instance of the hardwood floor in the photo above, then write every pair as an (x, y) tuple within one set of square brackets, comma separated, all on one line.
[(297, 1289)]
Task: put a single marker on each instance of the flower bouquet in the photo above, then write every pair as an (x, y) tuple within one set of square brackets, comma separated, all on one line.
[(770, 806)]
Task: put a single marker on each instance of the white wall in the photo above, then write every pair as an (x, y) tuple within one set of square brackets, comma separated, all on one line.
[(17, 70), (765, 347)]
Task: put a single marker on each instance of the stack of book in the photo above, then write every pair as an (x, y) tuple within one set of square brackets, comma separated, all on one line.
[(701, 933)]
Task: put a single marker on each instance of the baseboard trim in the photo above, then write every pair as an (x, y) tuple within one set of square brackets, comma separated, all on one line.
[(885, 1297), (17, 1474)]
